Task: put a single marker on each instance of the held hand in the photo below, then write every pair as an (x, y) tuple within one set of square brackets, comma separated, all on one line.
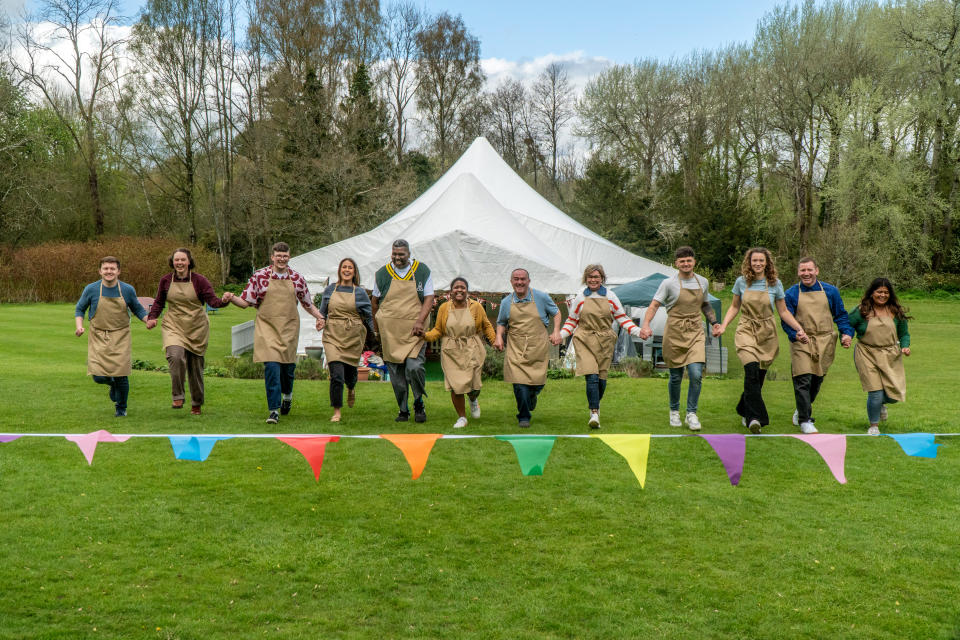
[(151, 323), (802, 336), (717, 330), (417, 329), (555, 339), (905, 351), (845, 341), (645, 332), (79, 331), (320, 323), (228, 296), (498, 344)]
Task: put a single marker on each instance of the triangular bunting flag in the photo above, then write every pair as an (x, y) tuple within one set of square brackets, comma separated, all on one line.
[(195, 448), (88, 441), (920, 445), (731, 449), (634, 447), (532, 452), (415, 447), (312, 449), (831, 447), (8, 437)]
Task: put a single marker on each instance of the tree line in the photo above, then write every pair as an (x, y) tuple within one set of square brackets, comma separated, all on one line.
[(832, 133)]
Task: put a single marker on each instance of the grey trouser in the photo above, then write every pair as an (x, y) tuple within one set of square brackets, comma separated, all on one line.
[(183, 365), (409, 372)]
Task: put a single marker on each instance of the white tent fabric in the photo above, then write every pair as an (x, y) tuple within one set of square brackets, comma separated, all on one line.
[(480, 220)]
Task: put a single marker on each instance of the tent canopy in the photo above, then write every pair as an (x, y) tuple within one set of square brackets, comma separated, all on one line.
[(639, 293), (480, 220)]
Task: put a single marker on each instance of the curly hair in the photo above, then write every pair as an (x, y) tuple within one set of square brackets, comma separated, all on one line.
[(594, 267), (866, 303), (769, 271)]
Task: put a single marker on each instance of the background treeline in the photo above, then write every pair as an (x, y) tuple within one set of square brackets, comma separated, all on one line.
[(228, 125)]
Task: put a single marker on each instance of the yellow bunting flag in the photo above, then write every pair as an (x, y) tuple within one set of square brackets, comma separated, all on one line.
[(415, 447), (635, 448)]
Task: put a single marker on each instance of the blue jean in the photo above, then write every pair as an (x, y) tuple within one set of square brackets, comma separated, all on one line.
[(695, 373), (526, 395), (119, 389), (595, 388), (875, 400), (278, 378)]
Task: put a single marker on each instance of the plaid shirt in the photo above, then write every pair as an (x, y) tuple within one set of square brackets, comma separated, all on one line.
[(260, 280)]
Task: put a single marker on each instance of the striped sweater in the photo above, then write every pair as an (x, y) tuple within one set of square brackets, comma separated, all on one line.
[(616, 312)]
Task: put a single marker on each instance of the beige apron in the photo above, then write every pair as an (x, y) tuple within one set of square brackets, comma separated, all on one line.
[(593, 339), (276, 329), (528, 346), (185, 323), (396, 316), (756, 337), (461, 352), (813, 314), (684, 341), (108, 345), (344, 333), (879, 360)]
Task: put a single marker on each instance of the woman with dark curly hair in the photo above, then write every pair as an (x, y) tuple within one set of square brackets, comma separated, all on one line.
[(185, 327), (882, 340), (758, 292)]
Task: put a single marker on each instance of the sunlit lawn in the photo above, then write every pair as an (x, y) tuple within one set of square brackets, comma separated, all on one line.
[(247, 544)]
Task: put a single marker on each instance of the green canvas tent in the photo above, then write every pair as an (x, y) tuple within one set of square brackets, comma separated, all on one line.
[(640, 292)]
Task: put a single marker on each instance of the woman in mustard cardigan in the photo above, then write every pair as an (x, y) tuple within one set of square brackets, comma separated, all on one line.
[(462, 323)]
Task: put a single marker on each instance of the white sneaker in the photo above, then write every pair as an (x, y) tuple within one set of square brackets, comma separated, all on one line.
[(743, 421), (594, 422), (675, 419), (755, 426), (807, 427), (693, 423), (796, 418), (475, 408), (874, 430), (883, 413), (460, 423)]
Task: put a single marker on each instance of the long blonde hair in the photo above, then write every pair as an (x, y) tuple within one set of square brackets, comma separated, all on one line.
[(769, 271)]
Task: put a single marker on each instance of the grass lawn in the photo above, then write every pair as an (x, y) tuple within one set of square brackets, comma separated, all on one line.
[(246, 544)]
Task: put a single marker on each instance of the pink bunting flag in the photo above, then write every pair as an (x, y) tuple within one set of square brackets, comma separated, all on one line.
[(731, 448), (312, 449), (8, 437), (88, 442), (416, 448), (831, 447)]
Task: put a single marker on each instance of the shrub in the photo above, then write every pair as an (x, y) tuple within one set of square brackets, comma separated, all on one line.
[(949, 282), (58, 271), (493, 365), (634, 368), (560, 374)]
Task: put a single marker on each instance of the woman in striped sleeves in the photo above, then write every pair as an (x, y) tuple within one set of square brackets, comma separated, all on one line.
[(592, 316)]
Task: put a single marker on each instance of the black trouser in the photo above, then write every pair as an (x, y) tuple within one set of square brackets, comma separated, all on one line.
[(341, 374), (805, 389), (751, 406)]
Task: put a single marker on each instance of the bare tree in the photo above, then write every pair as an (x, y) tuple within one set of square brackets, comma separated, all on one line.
[(70, 65), (449, 77), (553, 106), (506, 105), (403, 24)]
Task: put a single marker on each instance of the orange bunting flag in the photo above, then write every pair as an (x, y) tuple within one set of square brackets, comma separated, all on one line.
[(312, 449), (415, 447), (635, 448)]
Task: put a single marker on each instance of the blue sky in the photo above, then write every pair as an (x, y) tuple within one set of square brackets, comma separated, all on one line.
[(619, 31)]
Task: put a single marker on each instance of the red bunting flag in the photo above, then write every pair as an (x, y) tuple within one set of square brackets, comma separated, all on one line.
[(415, 447), (312, 449)]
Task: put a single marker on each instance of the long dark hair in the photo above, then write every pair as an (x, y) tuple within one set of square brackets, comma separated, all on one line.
[(866, 303), (356, 271)]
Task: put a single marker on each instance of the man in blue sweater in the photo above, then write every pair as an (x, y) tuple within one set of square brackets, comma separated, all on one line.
[(108, 303), (817, 307)]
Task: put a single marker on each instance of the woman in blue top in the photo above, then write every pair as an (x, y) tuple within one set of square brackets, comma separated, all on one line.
[(757, 292)]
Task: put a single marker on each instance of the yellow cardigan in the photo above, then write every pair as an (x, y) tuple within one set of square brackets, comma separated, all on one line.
[(484, 327)]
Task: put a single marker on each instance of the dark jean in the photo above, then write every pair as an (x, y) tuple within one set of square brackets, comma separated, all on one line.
[(526, 395), (875, 401), (278, 378), (341, 374), (595, 388), (805, 389), (695, 373), (119, 389), (407, 376), (751, 405)]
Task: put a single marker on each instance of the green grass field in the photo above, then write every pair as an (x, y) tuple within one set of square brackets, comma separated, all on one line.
[(246, 544)]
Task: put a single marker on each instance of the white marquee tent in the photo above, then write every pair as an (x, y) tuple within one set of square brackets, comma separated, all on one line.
[(480, 220)]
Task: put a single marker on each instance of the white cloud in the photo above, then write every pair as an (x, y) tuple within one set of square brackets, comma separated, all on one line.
[(580, 68)]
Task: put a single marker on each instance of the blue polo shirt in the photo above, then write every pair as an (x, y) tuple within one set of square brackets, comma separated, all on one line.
[(546, 307)]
